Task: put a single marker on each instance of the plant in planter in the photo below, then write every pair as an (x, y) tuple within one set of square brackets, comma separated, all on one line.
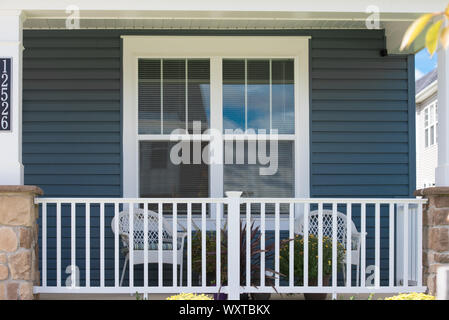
[(255, 259), (412, 296), (298, 263), (189, 296)]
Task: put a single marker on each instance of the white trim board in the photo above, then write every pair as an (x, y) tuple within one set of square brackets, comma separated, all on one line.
[(215, 48)]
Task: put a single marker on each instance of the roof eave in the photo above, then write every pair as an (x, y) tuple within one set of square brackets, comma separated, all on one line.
[(427, 92)]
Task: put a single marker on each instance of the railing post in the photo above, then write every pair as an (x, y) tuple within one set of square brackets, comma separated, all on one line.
[(233, 244)]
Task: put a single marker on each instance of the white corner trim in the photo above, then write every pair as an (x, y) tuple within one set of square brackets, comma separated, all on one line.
[(215, 48), (11, 167)]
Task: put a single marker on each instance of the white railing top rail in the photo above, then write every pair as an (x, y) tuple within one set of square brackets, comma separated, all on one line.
[(130, 200), (334, 200), (243, 200)]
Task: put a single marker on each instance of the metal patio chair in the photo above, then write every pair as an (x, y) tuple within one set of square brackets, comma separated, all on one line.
[(153, 239), (341, 235)]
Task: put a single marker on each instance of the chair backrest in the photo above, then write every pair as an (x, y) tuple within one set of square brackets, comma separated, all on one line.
[(327, 225), (138, 227)]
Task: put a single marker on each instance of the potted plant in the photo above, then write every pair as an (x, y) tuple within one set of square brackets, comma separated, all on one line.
[(298, 264), (255, 251), (189, 296)]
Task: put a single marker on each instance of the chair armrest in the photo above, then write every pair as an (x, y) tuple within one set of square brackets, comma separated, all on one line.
[(181, 236), (355, 240), (182, 233)]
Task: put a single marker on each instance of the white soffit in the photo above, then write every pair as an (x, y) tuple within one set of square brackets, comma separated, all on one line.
[(394, 22), (210, 20)]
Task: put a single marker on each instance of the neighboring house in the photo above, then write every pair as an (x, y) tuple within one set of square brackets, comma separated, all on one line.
[(426, 129), (92, 129)]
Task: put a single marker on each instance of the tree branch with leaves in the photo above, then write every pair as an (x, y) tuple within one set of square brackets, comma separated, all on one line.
[(438, 31)]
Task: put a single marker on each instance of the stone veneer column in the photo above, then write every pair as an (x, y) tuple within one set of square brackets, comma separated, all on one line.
[(435, 233), (19, 269)]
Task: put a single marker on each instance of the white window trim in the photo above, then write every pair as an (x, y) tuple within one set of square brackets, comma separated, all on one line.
[(428, 109), (214, 48)]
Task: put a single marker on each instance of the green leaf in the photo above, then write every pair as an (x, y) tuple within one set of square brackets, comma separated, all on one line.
[(432, 37), (414, 30)]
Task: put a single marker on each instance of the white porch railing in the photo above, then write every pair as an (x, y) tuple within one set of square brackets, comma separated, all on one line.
[(244, 241)]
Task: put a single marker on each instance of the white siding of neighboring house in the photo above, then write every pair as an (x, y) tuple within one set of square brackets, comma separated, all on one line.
[(426, 158)]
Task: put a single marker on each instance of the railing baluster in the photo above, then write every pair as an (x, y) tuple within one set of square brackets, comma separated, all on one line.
[(334, 245), (58, 244), (189, 244), (145, 245), (102, 244), (291, 244), (218, 244), (203, 244), (412, 245), (262, 244), (277, 227), (248, 244), (175, 246), (363, 246), (131, 245), (377, 245), (320, 244), (116, 245), (391, 246), (73, 244), (306, 244), (419, 245), (348, 244), (233, 245), (405, 248), (44, 244), (159, 246), (88, 244)]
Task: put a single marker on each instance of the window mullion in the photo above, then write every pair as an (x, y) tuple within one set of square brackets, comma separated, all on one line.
[(187, 94), (216, 123), (246, 95), (162, 96), (271, 95)]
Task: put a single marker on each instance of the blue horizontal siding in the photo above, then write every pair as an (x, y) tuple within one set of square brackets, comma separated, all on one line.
[(361, 122)]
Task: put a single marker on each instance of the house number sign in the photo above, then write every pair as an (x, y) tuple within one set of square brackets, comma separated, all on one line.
[(5, 94)]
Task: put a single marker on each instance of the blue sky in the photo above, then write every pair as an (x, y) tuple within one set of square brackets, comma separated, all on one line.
[(424, 63)]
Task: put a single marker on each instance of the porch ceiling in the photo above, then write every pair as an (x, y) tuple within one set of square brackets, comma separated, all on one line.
[(395, 24), (195, 23)]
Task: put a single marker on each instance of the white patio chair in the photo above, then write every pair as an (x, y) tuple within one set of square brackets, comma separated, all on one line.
[(153, 239), (341, 235)]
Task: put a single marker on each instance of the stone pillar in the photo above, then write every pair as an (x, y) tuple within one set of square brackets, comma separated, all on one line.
[(19, 269), (435, 234)]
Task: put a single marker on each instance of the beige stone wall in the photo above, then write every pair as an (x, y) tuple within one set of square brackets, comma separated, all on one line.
[(435, 233), (18, 242)]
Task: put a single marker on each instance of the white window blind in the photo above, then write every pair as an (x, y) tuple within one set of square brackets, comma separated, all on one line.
[(172, 94)]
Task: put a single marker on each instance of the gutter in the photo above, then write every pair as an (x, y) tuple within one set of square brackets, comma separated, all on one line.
[(427, 92)]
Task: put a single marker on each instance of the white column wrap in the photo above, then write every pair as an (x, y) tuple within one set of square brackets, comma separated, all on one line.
[(11, 168)]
